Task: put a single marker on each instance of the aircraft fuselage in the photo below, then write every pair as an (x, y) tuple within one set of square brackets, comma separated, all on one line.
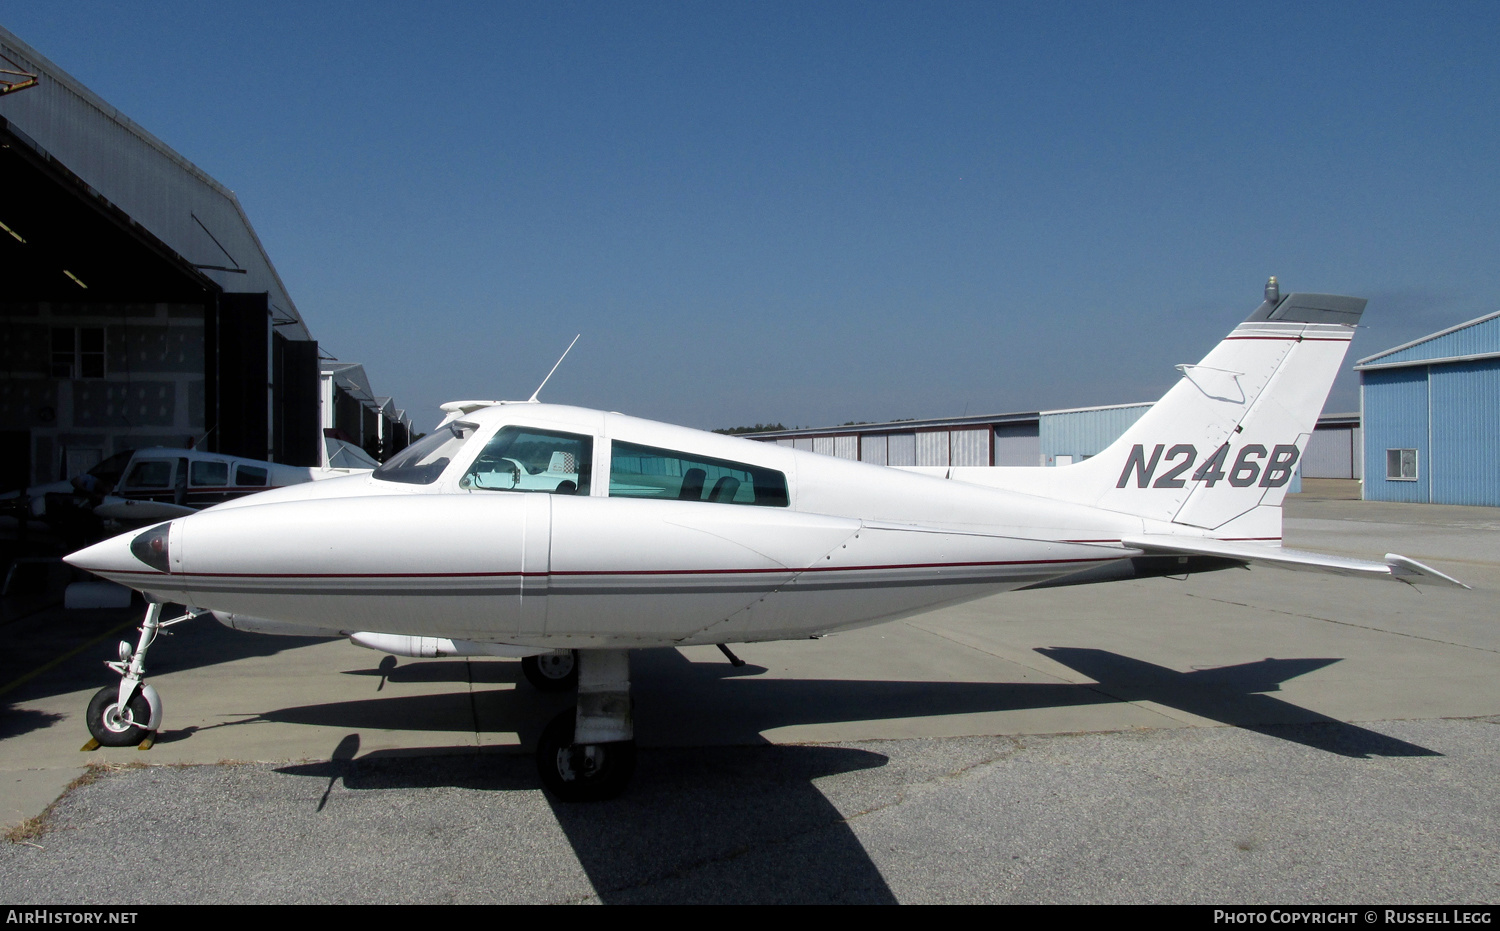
[(600, 530)]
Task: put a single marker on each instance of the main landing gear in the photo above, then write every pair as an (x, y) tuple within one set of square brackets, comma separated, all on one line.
[(587, 753), (127, 714), (552, 672)]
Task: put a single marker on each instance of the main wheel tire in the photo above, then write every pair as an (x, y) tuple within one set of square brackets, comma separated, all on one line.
[(582, 772), (109, 726), (552, 672)]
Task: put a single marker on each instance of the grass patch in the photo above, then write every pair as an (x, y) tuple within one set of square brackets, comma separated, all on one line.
[(33, 828)]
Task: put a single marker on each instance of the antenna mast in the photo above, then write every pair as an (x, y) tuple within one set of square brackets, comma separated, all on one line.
[(532, 399)]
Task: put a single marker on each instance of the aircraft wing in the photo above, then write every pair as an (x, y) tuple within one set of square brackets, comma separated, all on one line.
[(1397, 568)]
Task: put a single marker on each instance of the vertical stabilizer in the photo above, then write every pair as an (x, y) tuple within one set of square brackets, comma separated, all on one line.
[(1217, 452)]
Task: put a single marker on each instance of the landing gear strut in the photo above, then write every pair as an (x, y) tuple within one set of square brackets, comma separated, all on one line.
[(587, 754), (127, 714)]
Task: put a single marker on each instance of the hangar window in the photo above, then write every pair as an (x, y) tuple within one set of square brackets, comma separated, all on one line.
[(78, 352), (644, 472), (1401, 465), (526, 459)]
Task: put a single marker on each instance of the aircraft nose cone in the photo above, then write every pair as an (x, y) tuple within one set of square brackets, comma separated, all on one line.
[(134, 552)]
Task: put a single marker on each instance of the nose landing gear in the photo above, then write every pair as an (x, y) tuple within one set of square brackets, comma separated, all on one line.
[(119, 716)]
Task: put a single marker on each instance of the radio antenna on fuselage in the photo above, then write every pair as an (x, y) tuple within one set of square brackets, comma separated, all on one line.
[(532, 399)]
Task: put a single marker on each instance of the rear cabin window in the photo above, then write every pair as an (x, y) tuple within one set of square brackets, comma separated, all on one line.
[(249, 475), (209, 474), (152, 473), (527, 459), (645, 472)]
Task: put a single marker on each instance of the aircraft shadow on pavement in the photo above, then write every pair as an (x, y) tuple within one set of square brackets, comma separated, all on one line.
[(17, 721), (682, 703), (1233, 695), (717, 825)]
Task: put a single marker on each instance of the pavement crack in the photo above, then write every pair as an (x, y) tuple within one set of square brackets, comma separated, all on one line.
[(1332, 620)]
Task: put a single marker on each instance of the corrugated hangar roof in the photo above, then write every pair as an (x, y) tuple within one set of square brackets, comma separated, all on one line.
[(1467, 342), (935, 423), (130, 170)]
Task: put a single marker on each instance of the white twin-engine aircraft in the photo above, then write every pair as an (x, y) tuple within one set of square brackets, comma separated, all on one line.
[(569, 537)]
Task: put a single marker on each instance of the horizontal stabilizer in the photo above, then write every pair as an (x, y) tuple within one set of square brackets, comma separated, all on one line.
[(1397, 568)]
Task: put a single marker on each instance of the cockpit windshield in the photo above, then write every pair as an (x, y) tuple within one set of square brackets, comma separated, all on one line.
[(423, 461)]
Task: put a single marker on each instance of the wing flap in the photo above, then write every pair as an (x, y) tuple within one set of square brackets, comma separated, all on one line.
[(1396, 567)]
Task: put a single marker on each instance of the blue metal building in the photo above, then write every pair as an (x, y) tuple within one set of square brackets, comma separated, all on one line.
[(1432, 417)]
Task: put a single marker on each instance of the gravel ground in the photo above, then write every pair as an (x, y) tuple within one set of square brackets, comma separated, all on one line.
[(1394, 812)]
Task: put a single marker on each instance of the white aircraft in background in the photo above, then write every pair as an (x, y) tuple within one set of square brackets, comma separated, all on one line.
[(142, 486), (569, 537)]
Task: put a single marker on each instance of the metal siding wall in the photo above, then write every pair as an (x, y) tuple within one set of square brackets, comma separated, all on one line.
[(1481, 337), (1017, 445), (1084, 433), (932, 448), (1466, 433), (141, 175), (823, 445), (902, 449), (1330, 454), (872, 449), (1395, 417), (1017, 451), (802, 442), (846, 447), (971, 447)]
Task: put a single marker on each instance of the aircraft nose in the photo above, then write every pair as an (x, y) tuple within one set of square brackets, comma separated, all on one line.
[(129, 552)]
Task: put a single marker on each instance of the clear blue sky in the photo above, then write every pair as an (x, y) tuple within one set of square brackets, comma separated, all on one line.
[(820, 212)]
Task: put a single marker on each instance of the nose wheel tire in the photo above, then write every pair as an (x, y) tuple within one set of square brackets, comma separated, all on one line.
[(552, 672), (582, 772), (116, 727)]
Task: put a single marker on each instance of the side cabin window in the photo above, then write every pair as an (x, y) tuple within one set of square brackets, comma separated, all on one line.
[(249, 475), (645, 472), (208, 474), (528, 459), (423, 461)]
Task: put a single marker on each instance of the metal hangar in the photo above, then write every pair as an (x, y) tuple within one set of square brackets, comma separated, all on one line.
[(137, 305), (1432, 417)]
